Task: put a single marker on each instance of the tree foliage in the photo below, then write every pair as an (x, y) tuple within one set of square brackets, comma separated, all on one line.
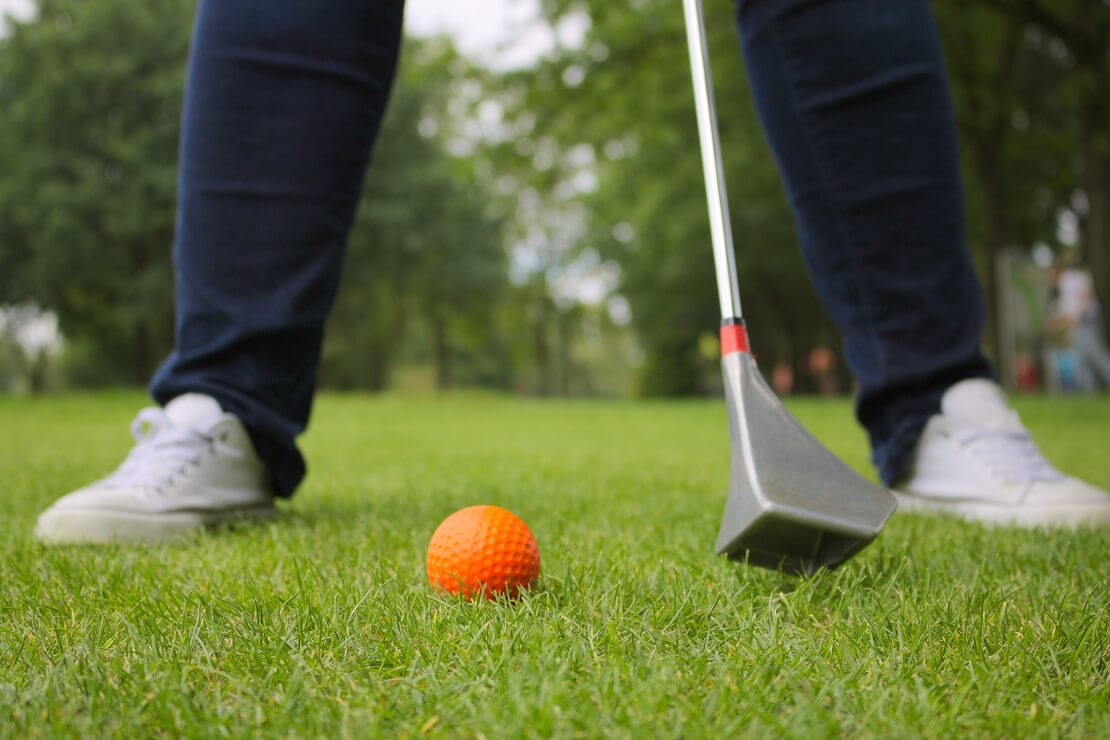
[(91, 101), (1070, 41), (623, 96), (495, 196), (425, 248), (91, 96), (1029, 80)]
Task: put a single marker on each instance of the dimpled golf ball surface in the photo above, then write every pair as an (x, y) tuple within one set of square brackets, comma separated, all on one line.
[(483, 550)]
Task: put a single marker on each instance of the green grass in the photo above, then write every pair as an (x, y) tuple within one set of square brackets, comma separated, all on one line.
[(322, 624)]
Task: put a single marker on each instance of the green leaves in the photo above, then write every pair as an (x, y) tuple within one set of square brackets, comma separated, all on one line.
[(425, 256), (91, 93), (91, 97), (634, 108)]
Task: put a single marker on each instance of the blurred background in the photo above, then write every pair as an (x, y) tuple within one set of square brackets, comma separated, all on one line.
[(534, 221)]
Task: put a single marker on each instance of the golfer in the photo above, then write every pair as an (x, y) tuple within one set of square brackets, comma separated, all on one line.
[(1081, 316), (283, 103)]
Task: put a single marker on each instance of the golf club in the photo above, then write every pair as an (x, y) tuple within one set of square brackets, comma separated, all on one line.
[(792, 505)]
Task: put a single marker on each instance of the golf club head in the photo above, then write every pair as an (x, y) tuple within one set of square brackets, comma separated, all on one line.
[(792, 505)]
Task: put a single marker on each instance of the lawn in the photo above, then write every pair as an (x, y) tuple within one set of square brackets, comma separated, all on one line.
[(322, 624)]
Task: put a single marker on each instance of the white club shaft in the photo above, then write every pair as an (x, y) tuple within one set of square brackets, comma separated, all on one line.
[(716, 195)]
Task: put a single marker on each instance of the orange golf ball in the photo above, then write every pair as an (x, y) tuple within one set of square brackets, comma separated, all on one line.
[(483, 550)]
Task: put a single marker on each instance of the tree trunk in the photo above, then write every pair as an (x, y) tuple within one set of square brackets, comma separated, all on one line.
[(1096, 229), (543, 356), (36, 373), (377, 370), (997, 206), (141, 364), (32, 367), (563, 329), (441, 350)]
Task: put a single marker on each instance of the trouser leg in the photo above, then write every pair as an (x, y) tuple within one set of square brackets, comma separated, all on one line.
[(1093, 355), (854, 98), (283, 102)]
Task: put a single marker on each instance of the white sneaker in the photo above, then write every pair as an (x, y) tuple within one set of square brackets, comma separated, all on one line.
[(192, 466), (976, 460)]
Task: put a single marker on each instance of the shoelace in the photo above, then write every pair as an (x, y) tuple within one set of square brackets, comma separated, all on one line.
[(1011, 453), (162, 451)]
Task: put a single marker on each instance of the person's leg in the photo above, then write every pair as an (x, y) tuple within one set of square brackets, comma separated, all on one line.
[(1084, 376), (283, 103), (855, 100), (853, 96), (1094, 358)]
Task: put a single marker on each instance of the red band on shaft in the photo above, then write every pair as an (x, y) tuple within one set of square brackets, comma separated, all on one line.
[(734, 338)]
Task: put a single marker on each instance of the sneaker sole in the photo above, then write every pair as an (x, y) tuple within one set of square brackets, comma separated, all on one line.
[(96, 526), (1063, 516)]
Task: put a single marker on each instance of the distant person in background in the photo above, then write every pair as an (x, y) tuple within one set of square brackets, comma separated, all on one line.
[(782, 378), (283, 103), (1081, 315), (1025, 372), (1060, 362), (822, 368)]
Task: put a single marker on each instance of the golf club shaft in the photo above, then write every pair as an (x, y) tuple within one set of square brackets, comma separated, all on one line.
[(717, 196)]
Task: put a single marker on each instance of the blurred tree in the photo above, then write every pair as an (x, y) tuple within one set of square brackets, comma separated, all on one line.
[(465, 109), (1075, 36), (91, 94), (29, 339), (1015, 134), (1029, 82), (609, 123), (425, 245), (593, 153)]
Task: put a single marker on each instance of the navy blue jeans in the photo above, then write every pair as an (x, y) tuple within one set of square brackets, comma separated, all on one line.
[(284, 100)]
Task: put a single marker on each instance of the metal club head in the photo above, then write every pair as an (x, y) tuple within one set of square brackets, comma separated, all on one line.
[(792, 505)]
